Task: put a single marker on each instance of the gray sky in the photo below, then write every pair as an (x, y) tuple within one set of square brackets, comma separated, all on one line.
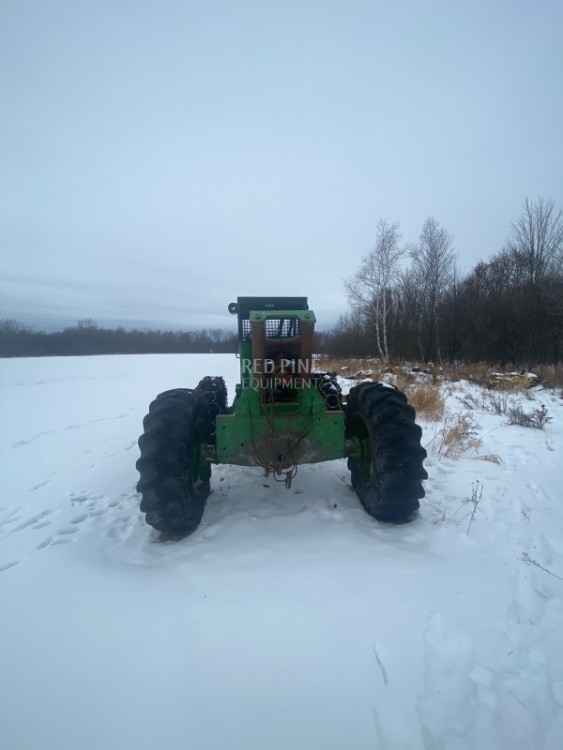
[(161, 158)]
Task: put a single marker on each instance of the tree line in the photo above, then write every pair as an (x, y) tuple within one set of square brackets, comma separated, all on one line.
[(408, 301), (88, 338)]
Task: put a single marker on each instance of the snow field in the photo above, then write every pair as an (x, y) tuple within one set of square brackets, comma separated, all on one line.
[(289, 617)]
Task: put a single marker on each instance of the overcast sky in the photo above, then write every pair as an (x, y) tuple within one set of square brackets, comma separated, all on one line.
[(161, 158)]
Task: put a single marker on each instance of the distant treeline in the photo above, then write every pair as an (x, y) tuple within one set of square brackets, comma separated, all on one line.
[(88, 338)]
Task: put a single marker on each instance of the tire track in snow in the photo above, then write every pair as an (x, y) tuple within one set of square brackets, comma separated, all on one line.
[(381, 666)]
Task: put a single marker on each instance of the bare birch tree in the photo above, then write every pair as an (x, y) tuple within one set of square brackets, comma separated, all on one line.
[(369, 290), (433, 261), (537, 238), (411, 300)]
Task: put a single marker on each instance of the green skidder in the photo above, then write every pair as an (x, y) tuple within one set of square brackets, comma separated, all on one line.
[(284, 414)]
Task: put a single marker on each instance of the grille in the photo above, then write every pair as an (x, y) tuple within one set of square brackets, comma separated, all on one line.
[(282, 328), (276, 328)]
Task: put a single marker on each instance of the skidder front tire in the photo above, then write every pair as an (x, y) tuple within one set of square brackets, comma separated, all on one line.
[(387, 470), (174, 477), (212, 397)]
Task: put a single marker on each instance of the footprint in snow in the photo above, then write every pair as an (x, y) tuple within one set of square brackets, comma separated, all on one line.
[(97, 512), (8, 565), (54, 541), (67, 530), (10, 518), (31, 521), (27, 441), (41, 525), (79, 498), (38, 486)]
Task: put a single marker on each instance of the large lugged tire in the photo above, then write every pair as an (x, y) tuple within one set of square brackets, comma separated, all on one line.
[(387, 470), (212, 395), (174, 478)]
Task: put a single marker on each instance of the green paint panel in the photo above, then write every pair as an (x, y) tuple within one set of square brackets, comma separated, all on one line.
[(302, 431)]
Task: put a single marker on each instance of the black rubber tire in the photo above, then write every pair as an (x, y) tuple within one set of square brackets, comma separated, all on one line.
[(388, 480), (212, 393), (173, 497)]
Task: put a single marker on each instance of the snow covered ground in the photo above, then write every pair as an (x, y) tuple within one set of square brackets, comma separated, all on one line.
[(290, 619)]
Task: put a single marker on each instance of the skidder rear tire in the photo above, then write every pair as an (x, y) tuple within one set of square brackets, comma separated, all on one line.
[(387, 470), (173, 476)]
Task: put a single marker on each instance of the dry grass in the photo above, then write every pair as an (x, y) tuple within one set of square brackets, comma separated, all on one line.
[(551, 375), (496, 403), (475, 372), (402, 374), (512, 381), (492, 377), (492, 458), (427, 400), (468, 400), (350, 367), (536, 419), (458, 435)]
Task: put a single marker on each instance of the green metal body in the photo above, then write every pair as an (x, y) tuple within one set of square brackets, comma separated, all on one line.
[(299, 432), (257, 431)]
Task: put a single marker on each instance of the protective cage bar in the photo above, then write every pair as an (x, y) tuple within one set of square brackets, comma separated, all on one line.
[(276, 328), (246, 304)]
